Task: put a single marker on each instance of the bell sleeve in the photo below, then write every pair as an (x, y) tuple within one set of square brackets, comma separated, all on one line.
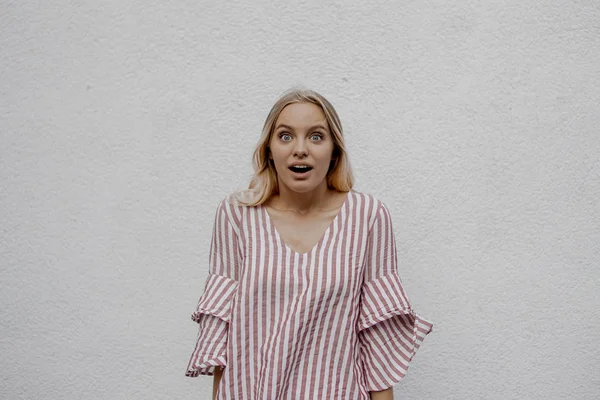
[(214, 306), (389, 330)]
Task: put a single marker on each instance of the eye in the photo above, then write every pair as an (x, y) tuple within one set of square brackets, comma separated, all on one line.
[(283, 134), (319, 135)]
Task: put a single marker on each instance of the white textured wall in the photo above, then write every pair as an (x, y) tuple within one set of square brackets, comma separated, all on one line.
[(123, 123)]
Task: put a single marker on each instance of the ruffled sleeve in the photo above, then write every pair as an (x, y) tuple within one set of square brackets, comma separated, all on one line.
[(389, 330), (214, 306)]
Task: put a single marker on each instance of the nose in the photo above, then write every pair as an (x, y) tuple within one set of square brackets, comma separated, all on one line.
[(300, 148)]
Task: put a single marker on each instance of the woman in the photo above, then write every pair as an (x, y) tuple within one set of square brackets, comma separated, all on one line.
[(303, 299)]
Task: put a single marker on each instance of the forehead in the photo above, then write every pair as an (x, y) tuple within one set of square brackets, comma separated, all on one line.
[(302, 115)]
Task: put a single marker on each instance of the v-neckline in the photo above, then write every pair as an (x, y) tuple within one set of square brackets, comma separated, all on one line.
[(325, 234)]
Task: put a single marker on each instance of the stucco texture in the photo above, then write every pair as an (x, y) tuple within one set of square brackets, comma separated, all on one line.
[(124, 123)]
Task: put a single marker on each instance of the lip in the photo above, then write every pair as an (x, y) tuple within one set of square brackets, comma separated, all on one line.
[(300, 175), (299, 163)]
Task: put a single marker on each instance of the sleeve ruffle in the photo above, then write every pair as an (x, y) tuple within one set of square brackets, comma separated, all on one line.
[(212, 315), (389, 332)]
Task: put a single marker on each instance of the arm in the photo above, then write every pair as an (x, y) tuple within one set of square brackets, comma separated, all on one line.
[(389, 330), (216, 380), (387, 394)]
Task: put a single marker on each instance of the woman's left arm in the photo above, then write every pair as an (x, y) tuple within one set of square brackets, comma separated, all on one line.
[(387, 394)]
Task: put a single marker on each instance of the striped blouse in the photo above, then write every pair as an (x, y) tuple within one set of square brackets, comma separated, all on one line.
[(331, 323)]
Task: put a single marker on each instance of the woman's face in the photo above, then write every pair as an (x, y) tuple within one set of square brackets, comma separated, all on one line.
[(301, 136)]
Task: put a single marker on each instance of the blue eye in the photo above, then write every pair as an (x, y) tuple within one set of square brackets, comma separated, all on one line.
[(283, 134)]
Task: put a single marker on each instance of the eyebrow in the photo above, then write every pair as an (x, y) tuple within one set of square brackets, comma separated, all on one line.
[(289, 127)]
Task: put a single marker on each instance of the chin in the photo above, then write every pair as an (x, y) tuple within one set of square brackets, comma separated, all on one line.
[(302, 186)]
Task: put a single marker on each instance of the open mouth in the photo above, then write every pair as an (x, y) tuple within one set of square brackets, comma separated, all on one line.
[(300, 169)]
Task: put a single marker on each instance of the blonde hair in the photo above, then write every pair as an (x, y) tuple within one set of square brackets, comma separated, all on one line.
[(264, 183)]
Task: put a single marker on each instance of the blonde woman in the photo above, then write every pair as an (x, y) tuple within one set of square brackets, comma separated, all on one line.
[(303, 299)]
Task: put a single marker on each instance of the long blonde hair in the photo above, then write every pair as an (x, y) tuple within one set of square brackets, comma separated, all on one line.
[(264, 183)]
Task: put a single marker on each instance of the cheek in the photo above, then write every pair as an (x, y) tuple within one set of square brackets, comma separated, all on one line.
[(276, 154), (279, 162), (324, 158)]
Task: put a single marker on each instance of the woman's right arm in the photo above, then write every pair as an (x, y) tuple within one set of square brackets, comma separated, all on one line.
[(216, 380)]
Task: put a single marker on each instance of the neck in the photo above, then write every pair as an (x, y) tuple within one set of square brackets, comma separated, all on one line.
[(316, 199)]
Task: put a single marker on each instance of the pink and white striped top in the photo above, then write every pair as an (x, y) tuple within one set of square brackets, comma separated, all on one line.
[(332, 323)]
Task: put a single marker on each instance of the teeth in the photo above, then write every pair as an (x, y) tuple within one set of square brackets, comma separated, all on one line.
[(300, 168)]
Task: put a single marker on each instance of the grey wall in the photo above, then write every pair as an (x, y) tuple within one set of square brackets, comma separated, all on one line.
[(122, 124)]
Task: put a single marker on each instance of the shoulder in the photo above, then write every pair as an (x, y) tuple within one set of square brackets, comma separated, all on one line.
[(231, 209), (373, 207), (239, 197)]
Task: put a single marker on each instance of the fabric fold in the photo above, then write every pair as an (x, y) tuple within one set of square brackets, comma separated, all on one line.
[(212, 315), (389, 331)]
